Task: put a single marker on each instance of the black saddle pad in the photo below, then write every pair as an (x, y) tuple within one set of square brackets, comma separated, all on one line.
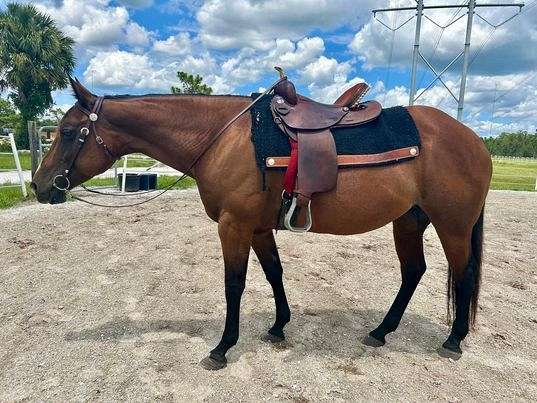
[(393, 129)]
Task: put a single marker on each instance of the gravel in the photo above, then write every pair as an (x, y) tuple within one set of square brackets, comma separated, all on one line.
[(101, 304)]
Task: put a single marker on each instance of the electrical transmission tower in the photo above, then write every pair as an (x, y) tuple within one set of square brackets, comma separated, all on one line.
[(471, 7)]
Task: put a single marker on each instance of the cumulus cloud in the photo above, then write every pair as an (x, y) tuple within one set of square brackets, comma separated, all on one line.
[(89, 24), (135, 72), (136, 35), (118, 68), (236, 24), (327, 79), (174, 45), (249, 64), (96, 25)]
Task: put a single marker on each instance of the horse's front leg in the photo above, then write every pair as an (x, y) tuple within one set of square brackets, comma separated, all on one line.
[(265, 248), (236, 239)]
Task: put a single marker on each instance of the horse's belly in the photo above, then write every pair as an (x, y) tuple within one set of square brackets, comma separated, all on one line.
[(365, 199)]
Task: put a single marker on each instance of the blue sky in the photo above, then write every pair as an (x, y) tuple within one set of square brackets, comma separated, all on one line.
[(137, 46)]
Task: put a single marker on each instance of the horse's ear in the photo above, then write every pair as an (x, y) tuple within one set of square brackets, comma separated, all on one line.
[(82, 94)]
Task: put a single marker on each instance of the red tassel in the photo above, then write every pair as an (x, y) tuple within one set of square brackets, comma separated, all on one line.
[(292, 169)]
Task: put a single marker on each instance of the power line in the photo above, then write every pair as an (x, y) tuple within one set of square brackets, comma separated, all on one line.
[(453, 19), (506, 92), (484, 44), (390, 57)]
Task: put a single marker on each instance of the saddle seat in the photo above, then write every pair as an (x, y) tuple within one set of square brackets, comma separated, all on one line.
[(313, 165), (302, 113)]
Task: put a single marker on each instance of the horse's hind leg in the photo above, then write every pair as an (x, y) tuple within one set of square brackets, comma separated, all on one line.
[(463, 251), (265, 248), (408, 233)]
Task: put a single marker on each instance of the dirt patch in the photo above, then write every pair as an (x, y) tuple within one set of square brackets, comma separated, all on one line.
[(123, 304)]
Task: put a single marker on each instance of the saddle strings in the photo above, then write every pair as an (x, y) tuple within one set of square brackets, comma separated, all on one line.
[(194, 162)]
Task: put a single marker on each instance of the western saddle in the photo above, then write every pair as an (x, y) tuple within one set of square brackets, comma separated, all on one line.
[(313, 164)]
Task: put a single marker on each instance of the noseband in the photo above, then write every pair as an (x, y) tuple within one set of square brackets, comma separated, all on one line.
[(93, 116)]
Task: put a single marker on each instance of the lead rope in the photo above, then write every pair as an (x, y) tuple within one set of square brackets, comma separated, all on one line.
[(131, 204), (213, 140)]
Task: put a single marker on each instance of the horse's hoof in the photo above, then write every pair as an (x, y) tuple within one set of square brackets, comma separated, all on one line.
[(450, 350), (210, 364), (373, 341), (271, 338)]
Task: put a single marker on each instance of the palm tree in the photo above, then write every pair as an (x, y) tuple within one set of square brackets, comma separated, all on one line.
[(35, 59)]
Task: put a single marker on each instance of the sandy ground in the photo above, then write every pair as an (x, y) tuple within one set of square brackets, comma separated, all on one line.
[(108, 305)]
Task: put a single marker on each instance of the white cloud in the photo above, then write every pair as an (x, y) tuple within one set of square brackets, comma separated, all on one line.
[(126, 69), (249, 64), (96, 25), (326, 78), (118, 68), (174, 45), (255, 23), (89, 24), (289, 55), (136, 35), (324, 71)]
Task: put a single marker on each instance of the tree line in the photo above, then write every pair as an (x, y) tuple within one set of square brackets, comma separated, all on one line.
[(518, 144)]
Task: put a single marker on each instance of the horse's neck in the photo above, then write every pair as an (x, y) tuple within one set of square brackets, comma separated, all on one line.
[(176, 130)]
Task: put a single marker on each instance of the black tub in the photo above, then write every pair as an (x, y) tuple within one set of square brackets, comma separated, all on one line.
[(132, 182), (148, 181)]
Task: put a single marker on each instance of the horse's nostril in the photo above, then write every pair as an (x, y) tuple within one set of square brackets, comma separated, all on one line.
[(33, 186)]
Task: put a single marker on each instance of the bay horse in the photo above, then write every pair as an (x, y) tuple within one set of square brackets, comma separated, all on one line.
[(446, 186)]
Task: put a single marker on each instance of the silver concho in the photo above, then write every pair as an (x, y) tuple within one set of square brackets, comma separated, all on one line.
[(93, 117)]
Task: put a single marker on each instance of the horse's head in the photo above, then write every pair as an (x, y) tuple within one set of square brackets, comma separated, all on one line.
[(84, 147)]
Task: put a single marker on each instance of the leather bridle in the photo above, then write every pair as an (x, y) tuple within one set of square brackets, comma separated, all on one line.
[(80, 140)]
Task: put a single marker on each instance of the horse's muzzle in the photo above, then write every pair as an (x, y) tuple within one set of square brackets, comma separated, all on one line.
[(57, 196), (52, 196)]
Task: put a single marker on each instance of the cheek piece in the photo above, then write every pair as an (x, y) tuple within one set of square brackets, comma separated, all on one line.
[(61, 181)]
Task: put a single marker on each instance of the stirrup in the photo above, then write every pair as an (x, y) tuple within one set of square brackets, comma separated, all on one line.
[(289, 217)]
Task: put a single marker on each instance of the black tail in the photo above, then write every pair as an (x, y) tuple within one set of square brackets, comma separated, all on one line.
[(476, 257)]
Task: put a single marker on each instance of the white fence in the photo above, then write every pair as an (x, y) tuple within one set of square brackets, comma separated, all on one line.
[(17, 166), (507, 158), (529, 178)]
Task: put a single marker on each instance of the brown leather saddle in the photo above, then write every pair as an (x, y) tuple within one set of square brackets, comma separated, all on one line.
[(314, 160)]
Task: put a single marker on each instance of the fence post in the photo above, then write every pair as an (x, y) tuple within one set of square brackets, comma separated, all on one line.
[(18, 164), (34, 146), (124, 177)]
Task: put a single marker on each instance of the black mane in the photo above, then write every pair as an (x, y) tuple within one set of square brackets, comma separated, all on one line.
[(129, 96)]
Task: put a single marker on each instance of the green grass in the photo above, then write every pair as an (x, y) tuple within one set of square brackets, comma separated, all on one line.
[(7, 161), (514, 174), (10, 197)]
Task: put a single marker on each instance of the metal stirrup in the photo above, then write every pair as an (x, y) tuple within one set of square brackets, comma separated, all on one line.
[(289, 217)]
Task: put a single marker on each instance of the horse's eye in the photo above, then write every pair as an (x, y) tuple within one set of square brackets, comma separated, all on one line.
[(67, 133)]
